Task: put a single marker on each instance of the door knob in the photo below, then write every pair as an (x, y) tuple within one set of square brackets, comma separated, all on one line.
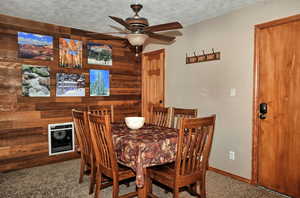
[(263, 110)]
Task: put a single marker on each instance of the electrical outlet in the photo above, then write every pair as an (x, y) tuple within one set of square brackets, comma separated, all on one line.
[(231, 155), (232, 91)]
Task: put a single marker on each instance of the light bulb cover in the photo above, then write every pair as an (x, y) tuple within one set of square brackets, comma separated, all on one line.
[(137, 39)]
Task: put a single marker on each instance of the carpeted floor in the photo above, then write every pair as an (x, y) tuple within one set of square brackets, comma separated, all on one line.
[(61, 181)]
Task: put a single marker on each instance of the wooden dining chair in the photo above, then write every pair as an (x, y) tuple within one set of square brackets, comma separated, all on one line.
[(179, 113), (102, 110), (84, 141), (193, 149), (160, 116), (106, 162), (87, 158)]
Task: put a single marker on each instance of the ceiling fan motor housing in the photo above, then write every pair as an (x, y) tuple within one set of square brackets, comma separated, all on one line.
[(136, 20)]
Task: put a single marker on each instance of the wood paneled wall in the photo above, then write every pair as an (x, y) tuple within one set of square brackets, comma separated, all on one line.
[(24, 120)]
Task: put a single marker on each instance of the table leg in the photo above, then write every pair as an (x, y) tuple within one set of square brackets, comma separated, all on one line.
[(143, 191)]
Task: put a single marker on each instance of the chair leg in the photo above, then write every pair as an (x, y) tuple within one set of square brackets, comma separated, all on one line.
[(82, 166), (98, 182), (176, 192), (202, 186), (92, 179), (115, 188), (149, 185)]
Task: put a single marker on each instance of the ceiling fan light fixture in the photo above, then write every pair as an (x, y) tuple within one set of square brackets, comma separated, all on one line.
[(137, 39), (140, 30)]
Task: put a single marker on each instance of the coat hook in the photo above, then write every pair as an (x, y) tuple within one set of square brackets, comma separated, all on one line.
[(205, 57), (196, 57), (215, 55), (187, 58)]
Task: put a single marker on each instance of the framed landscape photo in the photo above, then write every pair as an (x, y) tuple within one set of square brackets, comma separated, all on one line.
[(70, 84), (70, 53), (99, 54), (35, 81), (35, 46), (99, 82)]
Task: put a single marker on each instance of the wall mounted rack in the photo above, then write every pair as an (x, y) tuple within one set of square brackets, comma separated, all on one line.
[(203, 57)]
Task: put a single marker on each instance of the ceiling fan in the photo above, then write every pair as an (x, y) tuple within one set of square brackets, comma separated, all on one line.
[(138, 29)]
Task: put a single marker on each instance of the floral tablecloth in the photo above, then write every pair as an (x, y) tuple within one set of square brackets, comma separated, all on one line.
[(148, 146)]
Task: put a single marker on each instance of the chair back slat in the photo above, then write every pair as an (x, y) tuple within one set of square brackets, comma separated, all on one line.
[(160, 116), (82, 133), (194, 144), (179, 113), (103, 110), (100, 128)]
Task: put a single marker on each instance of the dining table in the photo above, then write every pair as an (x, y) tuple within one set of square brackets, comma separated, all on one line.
[(141, 148)]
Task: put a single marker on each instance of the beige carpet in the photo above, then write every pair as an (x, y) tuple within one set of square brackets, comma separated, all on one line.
[(61, 181)]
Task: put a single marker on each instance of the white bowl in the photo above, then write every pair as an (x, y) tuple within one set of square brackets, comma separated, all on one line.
[(134, 122)]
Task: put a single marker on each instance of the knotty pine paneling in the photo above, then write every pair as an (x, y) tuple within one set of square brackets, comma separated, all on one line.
[(24, 120)]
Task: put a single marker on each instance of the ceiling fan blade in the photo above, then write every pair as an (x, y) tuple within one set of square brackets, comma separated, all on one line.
[(160, 36), (95, 35), (163, 27), (105, 37), (122, 22), (108, 33), (126, 44)]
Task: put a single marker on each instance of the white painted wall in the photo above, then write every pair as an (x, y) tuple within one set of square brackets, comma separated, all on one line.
[(206, 86)]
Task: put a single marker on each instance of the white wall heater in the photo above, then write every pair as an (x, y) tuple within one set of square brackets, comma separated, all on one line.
[(61, 138)]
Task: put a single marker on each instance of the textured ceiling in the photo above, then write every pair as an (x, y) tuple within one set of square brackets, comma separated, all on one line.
[(93, 14)]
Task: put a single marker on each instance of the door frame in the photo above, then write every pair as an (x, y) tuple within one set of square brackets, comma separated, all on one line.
[(163, 77), (256, 80)]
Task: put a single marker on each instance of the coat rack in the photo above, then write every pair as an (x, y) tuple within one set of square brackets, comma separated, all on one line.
[(203, 57)]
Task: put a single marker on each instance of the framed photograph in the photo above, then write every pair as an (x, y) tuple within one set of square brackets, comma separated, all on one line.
[(70, 53), (70, 84), (35, 46), (99, 54), (99, 82), (35, 81)]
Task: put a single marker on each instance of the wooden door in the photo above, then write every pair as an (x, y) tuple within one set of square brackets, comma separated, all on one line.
[(153, 84), (277, 140)]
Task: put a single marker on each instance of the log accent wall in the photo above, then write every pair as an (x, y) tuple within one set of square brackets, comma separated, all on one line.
[(24, 120)]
